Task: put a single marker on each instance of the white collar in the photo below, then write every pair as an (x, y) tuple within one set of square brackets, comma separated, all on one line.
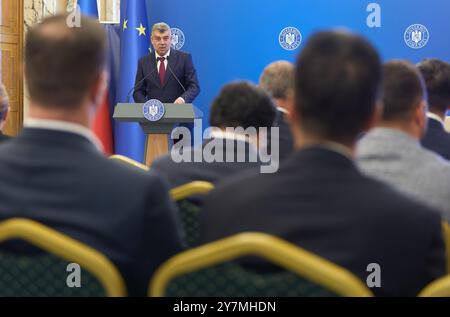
[(220, 134), (64, 126), (165, 56), (282, 110), (433, 116)]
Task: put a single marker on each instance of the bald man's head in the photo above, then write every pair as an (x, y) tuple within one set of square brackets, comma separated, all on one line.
[(277, 79)]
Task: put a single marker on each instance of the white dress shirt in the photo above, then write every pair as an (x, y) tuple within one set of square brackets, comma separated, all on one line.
[(158, 63)]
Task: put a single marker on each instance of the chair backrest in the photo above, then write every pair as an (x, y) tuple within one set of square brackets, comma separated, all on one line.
[(189, 210), (446, 237), (441, 287), (438, 288), (210, 271), (188, 190), (36, 260), (128, 161)]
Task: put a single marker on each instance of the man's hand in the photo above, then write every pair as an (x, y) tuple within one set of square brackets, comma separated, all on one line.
[(180, 101)]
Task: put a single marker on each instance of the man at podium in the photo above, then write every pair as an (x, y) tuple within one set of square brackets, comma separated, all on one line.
[(166, 74)]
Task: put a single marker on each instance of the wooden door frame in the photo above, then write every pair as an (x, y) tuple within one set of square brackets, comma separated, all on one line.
[(18, 81)]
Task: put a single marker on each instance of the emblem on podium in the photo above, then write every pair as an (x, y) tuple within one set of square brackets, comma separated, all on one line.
[(154, 110)]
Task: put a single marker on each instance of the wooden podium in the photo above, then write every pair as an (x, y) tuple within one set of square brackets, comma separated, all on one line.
[(157, 133)]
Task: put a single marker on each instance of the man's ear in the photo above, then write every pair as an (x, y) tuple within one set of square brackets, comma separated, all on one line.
[(376, 117), (293, 115), (420, 117), (290, 102), (98, 89)]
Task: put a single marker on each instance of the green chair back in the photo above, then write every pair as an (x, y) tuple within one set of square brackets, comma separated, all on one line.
[(38, 261), (212, 270), (189, 209)]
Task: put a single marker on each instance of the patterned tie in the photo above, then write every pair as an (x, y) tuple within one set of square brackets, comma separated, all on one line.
[(162, 70)]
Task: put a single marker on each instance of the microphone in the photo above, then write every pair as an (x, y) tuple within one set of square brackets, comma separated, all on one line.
[(175, 76), (138, 83)]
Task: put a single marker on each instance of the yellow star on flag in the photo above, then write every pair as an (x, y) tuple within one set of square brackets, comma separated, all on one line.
[(141, 30), (125, 24)]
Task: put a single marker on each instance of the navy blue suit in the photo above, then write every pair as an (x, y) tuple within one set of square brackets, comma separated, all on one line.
[(61, 180), (178, 174), (4, 137), (321, 202), (151, 88), (286, 140), (437, 139)]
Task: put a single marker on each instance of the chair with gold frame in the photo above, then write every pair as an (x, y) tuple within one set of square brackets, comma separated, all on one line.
[(438, 288), (37, 261), (210, 271), (127, 161), (441, 287), (189, 209), (446, 237)]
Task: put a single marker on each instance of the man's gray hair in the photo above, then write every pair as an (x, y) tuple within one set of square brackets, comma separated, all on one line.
[(278, 79), (161, 27), (4, 101)]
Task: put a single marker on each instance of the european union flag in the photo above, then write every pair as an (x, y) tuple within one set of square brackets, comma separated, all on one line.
[(134, 44), (89, 8)]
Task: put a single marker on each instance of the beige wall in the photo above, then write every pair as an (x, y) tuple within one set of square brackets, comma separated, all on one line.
[(36, 10), (109, 10)]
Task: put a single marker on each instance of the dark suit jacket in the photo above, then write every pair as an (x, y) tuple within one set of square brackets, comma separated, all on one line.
[(286, 140), (437, 139), (321, 202), (181, 64), (4, 137), (61, 180), (181, 173)]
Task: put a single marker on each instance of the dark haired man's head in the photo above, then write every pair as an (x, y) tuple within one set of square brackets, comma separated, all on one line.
[(338, 77), (404, 98), (436, 74), (242, 104), (64, 67)]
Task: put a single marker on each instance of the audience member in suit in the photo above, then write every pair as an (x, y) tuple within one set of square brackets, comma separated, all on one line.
[(239, 105), (4, 109), (392, 151), (54, 172), (318, 199), (436, 74), (277, 79)]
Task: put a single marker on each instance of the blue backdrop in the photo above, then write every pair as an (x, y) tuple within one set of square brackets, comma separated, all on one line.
[(236, 39)]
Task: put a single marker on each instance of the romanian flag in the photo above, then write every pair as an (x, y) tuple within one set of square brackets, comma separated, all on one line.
[(102, 126)]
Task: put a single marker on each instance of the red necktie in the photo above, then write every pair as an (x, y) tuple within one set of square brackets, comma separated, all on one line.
[(162, 70)]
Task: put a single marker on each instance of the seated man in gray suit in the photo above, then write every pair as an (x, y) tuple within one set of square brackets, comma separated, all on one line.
[(239, 104), (277, 80), (4, 109), (55, 173), (392, 152)]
